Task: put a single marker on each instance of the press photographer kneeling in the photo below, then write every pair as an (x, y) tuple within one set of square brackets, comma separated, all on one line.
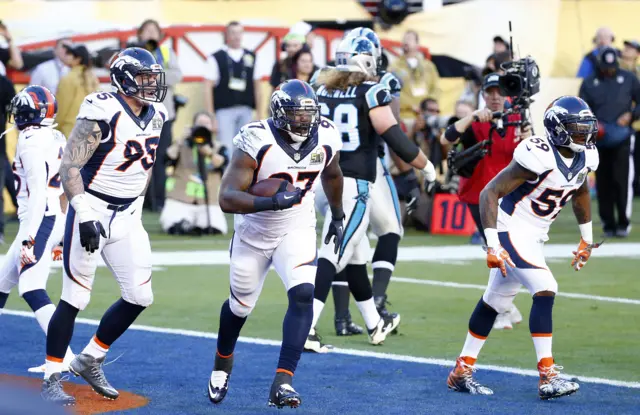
[(191, 207)]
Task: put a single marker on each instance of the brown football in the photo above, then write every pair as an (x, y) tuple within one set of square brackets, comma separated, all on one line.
[(269, 187)]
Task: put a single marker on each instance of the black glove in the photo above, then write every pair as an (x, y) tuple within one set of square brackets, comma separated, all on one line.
[(90, 232), (336, 229), (284, 199)]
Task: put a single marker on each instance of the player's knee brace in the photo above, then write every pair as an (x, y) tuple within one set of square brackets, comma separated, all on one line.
[(500, 302), (301, 296), (141, 295)]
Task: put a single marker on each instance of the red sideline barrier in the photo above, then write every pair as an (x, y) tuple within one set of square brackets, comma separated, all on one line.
[(450, 216)]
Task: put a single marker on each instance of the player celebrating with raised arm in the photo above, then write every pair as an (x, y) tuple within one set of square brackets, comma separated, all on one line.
[(270, 185), (517, 208), (105, 170), (359, 106), (41, 204)]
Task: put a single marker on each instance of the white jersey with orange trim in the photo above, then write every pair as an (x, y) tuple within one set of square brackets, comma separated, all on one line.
[(533, 206), (35, 171), (300, 164), (122, 163)]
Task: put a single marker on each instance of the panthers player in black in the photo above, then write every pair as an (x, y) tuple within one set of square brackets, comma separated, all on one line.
[(384, 199), (359, 106)]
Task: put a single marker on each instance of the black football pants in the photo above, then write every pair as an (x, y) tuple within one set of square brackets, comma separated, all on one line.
[(613, 184)]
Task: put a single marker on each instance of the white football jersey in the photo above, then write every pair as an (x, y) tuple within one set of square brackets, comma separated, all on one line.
[(123, 161), (35, 172), (301, 165), (533, 206)]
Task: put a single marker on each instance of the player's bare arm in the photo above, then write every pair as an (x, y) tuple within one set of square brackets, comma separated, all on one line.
[(236, 180), (83, 142), (582, 204), (504, 183), (332, 182)]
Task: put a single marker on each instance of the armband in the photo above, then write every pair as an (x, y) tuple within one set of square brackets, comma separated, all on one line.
[(400, 143), (451, 134)]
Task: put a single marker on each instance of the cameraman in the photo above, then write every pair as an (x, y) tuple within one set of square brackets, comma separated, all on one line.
[(149, 37), (476, 128), (185, 210)]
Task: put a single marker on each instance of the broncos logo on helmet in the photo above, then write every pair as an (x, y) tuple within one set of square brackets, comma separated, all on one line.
[(295, 109), (34, 105), (135, 73), (569, 122)]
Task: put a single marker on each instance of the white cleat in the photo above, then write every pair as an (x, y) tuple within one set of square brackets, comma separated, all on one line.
[(552, 386), (65, 365), (514, 315), (503, 321), (314, 343), (385, 326)]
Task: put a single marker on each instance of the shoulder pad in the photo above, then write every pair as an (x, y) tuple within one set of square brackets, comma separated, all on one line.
[(252, 137), (592, 158), (391, 82), (330, 134), (535, 154), (375, 94), (99, 106)]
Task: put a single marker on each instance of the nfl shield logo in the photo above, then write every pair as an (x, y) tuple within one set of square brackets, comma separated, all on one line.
[(570, 175), (296, 157)]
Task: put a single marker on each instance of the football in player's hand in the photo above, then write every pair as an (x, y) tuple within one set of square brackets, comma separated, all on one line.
[(269, 187)]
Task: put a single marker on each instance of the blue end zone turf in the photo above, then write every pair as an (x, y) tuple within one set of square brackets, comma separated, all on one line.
[(173, 372)]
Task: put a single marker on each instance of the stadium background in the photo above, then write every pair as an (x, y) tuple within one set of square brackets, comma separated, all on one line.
[(437, 279)]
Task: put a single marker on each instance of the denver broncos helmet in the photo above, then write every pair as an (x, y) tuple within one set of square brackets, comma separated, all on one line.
[(34, 105), (135, 73), (295, 109), (569, 122)]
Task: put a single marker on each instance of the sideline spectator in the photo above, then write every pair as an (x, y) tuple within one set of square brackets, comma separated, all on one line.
[(48, 74), (629, 56), (302, 67), (7, 92), (149, 37), (292, 43), (613, 95), (10, 54), (184, 211), (232, 85), (74, 87), (500, 45), (419, 77), (602, 39)]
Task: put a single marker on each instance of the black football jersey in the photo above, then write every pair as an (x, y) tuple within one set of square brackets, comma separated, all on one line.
[(349, 110)]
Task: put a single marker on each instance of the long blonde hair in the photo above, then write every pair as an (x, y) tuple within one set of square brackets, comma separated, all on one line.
[(333, 79)]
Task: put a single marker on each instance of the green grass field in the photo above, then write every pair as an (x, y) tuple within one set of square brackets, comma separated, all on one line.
[(591, 337)]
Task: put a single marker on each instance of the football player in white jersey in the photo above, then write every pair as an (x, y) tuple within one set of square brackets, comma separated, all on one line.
[(517, 208), (105, 170), (300, 147), (41, 204)]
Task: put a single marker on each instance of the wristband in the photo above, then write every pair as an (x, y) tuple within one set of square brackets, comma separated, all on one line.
[(264, 203), (586, 231), (492, 237), (80, 204), (451, 134), (337, 213)]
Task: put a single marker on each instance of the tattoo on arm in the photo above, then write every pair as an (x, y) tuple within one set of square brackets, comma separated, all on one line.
[(332, 183), (83, 142), (504, 183), (582, 204)]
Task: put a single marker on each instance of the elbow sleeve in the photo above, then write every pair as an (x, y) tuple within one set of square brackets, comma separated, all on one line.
[(400, 143)]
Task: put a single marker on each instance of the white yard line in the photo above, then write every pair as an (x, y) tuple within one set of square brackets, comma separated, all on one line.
[(350, 352)]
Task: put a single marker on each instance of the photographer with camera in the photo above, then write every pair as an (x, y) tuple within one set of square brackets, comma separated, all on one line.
[(149, 37), (198, 162), (492, 135)]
